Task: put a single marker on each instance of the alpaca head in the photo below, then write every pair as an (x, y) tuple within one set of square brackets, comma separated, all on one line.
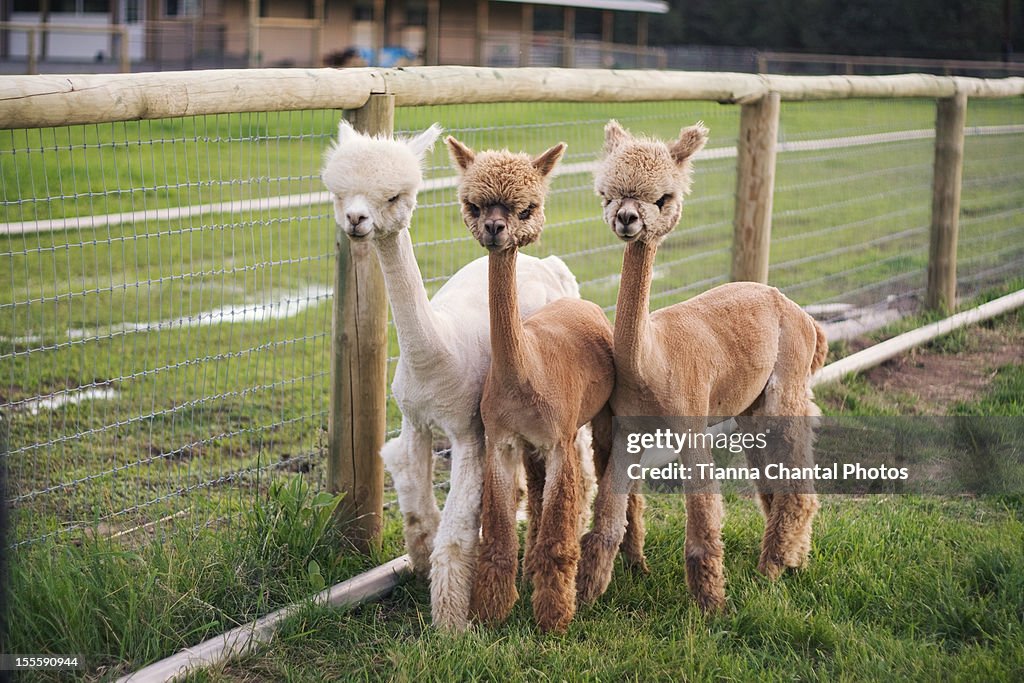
[(642, 182), (502, 193), (373, 180)]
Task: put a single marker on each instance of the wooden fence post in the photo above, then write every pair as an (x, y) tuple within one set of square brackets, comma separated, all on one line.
[(124, 53), (359, 356), (31, 68), (949, 157), (755, 184)]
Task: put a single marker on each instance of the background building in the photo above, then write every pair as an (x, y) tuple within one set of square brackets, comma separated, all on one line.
[(203, 33)]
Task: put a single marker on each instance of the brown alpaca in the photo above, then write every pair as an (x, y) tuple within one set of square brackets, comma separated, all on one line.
[(742, 349), (549, 375)]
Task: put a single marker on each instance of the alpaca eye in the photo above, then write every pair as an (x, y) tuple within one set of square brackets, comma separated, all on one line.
[(473, 209), (661, 202), (394, 199), (527, 212)]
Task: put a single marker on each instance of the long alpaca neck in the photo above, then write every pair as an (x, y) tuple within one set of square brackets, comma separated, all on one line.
[(632, 312), (419, 340), (507, 337)]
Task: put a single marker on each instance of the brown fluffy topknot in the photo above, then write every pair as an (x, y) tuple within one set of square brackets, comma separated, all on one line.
[(511, 180), (654, 174)]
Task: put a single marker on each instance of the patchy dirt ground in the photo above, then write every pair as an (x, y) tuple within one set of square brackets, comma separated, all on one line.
[(959, 368)]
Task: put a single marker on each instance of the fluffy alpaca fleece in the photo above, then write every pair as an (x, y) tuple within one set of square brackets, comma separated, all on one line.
[(742, 349), (549, 375), (445, 352)]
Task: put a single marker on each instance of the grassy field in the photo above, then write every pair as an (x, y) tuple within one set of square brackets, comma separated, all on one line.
[(207, 335), (898, 588), (905, 587)]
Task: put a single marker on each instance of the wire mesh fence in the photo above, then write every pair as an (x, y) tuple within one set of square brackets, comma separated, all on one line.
[(165, 318), (163, 326)]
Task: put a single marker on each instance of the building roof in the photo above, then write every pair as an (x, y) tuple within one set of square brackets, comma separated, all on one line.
[(648, 6)]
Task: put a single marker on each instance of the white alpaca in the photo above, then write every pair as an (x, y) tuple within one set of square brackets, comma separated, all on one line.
[(445, 354)]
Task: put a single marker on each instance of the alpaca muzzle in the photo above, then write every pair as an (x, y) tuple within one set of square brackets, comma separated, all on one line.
[(627, 223), (358, 225), (495, 233)]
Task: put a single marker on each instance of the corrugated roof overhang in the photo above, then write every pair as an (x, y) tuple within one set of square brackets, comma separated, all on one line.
[(647, 6)]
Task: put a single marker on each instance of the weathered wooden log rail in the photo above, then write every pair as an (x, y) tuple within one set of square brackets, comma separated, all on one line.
[(50, 100), (358, 391)]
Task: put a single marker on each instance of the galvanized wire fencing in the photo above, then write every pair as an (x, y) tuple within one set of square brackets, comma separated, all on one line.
[(165, 315), (163, 319)]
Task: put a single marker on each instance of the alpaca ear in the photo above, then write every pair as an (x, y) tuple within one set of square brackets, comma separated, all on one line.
[(545, 163), (614, 135), (424, 142), (691, 140), (346, 132), (462, 156)]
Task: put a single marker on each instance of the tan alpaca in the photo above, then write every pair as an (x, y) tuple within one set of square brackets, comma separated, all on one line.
[(549, 375), (742, 349)]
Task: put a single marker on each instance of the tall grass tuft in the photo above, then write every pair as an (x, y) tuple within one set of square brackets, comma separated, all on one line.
[(120, 607)]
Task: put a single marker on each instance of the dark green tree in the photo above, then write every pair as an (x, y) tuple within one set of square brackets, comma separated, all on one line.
[(951, 29)]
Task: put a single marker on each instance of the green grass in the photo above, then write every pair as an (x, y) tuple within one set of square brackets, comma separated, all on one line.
[(122, 603), (1006, 397), (905, 587), (898, 587)]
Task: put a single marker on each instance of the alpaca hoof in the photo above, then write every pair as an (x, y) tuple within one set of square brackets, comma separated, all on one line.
[(771, 569), (589, 588), (552, 611), (421, 567), (711, 603), (554, 625), (449, 607), (638, 566), (705, 577), (420, 549), (450, 623), (594, 571), (797, 559), (492, 605)]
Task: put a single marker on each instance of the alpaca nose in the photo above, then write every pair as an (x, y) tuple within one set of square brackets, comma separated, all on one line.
[(355, 218), (494, 226), (626, 217), (627, 220)]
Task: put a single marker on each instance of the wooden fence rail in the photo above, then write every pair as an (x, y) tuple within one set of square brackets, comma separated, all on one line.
[(851, 63), (358, 377)]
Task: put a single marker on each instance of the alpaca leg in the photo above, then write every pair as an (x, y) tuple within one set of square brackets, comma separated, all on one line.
[(409, 459), (787, 534), (598, 547), (788, 529), (557, 552), (454, 558), (705, 568), (534, 505), (757, 459), (586, 458), (786, 541), (494, 586), (632, 546)]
